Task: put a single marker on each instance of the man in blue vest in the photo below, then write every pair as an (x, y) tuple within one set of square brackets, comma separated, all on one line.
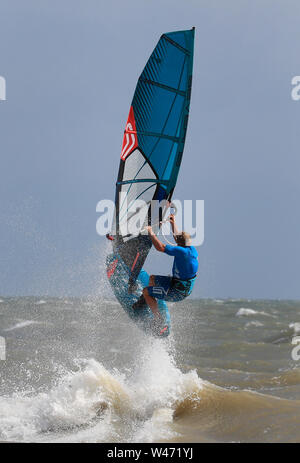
[(185, 266)]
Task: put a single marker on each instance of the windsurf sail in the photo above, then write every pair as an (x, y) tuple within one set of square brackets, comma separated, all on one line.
[(153, 143)]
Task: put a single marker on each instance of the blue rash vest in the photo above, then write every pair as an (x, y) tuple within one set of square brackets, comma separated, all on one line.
[(185, 264)]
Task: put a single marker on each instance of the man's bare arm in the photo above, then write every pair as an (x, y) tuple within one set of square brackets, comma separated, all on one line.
[(174, 226), (159, 246)]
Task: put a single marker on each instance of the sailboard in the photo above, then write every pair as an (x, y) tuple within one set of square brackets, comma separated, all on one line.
[(151, 156)]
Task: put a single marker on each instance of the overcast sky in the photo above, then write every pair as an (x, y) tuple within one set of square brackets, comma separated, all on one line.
[(71, 67)]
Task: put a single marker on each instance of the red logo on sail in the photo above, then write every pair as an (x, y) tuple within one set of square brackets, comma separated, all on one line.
[(130, 141), (112, 268)]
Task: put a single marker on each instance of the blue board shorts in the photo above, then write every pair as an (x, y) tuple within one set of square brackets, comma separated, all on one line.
[(170, 289)]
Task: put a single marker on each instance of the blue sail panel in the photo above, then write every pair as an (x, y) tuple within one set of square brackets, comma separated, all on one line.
[(161, 103)]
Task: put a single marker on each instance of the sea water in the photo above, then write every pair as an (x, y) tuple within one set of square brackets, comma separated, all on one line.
[(79, 370)]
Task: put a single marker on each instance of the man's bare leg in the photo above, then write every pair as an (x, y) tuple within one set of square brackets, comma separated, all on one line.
[(151, 280), (152, 303)]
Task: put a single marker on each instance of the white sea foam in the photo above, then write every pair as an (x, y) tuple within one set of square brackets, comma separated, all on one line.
[(246, 312), (295, 326), (22, 324), (41, 302), (253, 323), (99, 405)]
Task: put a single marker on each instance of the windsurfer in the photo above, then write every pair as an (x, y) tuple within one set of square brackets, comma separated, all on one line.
[(171, 288)]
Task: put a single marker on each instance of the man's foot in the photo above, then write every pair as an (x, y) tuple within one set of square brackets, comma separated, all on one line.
[(140, 303)]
